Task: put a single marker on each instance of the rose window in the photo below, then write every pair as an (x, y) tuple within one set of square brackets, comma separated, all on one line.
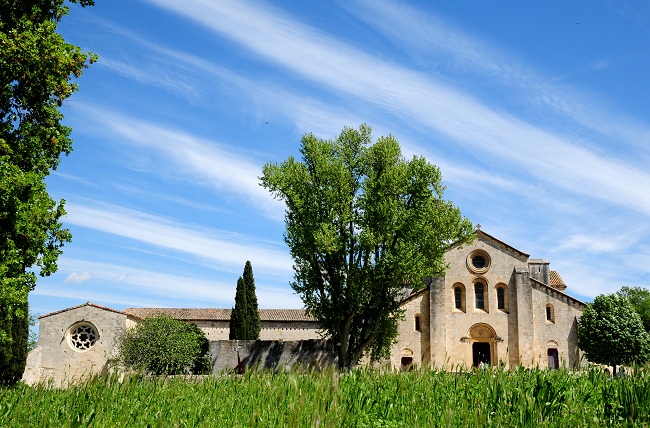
[(83, 337)]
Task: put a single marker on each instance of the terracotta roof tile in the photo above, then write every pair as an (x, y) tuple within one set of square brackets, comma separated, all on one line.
[(216, 314), (556, 280)]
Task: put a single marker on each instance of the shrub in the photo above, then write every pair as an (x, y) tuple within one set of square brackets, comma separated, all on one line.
[(163, 345)]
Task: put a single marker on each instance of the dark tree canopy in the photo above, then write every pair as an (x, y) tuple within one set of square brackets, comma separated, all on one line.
[(245, 316), (37, 69), (361, 223), (639, 297), (163, 345), (610, 332)]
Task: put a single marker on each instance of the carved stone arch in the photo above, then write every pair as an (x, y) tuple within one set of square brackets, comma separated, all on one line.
[(482, 332), (407, 352), (484, 340)]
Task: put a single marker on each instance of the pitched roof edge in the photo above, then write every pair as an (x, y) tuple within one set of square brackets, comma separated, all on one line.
[(106, 308), (555, 290)]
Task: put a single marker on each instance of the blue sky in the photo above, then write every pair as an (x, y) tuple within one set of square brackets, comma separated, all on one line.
[(537, 114)]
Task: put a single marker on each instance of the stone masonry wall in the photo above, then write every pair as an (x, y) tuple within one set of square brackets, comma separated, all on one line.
[(271, 354), (56, 359)]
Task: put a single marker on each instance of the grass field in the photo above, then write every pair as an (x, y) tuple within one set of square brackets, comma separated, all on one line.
[(361, 398)]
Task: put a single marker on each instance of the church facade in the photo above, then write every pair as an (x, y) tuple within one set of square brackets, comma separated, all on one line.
[(495, 305)]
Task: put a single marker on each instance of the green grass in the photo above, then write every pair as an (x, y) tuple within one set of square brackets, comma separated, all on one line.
[(361, 398)]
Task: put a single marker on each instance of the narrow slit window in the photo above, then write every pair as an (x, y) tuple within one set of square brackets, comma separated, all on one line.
[(501, 298)]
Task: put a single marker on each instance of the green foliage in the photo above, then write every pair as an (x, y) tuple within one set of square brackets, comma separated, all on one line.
[(359, 398), (361, 223), (610, 332), (37, 68), (163, 345), (13, 357), (639, 297), (245, 316), (252, 308)]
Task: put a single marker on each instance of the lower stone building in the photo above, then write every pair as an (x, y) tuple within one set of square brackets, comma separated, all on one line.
[(495, 305)]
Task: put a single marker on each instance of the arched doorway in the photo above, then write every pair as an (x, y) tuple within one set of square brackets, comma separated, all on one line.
[(406, 361), (483, 338)]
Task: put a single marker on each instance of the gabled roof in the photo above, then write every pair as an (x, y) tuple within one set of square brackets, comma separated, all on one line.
[(480, 234), (81, 306), (216, 314)]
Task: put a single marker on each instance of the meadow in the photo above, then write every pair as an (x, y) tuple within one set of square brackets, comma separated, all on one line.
[(360, 398)]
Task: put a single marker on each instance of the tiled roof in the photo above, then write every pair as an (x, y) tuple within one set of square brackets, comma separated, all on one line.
[(556, 280), (216, 314), (80, 306)]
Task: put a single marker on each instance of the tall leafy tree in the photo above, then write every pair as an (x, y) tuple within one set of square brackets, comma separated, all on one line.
[(639, 297), (245, 316), (361, 223), (610, 332), (252, 308), (37, 72)]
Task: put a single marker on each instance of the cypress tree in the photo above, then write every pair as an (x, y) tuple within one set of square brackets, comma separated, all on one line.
[(238, 316), (13, 352), (252, 310)]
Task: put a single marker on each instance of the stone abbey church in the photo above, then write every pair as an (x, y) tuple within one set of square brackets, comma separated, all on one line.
[(495, 305)]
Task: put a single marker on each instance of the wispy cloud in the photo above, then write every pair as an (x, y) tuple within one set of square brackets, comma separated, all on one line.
[(430, 102), (206, 162), (141, 287), (221, 248), (428, 36), (77, 278)]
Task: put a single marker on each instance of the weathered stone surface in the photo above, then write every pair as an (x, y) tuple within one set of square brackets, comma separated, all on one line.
[(538, 322)]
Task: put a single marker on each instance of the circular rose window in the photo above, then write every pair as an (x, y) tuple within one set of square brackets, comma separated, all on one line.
[(478, 261), (82, 336)]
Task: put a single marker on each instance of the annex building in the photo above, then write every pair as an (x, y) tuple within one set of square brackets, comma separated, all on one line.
[(495, 305)]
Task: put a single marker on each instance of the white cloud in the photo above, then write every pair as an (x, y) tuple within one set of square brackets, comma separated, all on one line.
[(432, 103), (78, 278), (220, 247), (137, 287)]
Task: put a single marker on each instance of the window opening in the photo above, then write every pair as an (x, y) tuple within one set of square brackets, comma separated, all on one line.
[(501, 298), (479, 292), (417, 323), (458, 297)]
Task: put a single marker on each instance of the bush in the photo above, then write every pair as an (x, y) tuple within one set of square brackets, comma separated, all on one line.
[(162, 345)]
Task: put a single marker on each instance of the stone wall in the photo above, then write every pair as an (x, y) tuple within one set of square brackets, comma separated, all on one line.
[(271, 354), (57, 359)]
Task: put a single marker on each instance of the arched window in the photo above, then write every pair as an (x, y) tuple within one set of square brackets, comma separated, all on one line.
[(501, 298), (459, 297), (479, 295), (550, 313), (417, 323)]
